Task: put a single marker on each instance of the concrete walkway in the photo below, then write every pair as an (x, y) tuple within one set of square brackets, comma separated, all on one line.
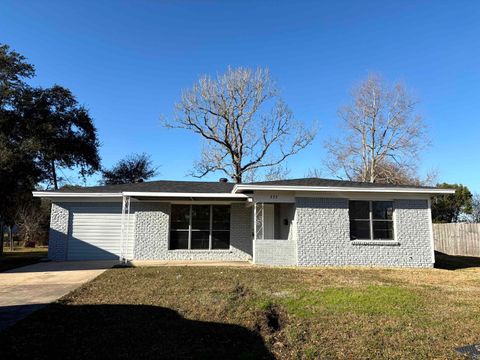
[(26, 289), (147, 263)]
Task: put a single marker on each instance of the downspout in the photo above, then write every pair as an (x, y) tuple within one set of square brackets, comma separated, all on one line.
[(430, 223)]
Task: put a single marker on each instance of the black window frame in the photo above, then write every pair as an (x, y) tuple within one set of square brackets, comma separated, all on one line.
[(371, 220), (211, 229)]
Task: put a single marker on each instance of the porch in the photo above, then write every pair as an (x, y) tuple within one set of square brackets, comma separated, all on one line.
[(274, 240)]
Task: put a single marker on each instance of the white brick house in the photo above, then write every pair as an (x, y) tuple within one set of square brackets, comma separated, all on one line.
[(304, 222)]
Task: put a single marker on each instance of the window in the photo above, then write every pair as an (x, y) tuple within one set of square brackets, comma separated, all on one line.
[(199, 227), (371, 220), (179, 225)]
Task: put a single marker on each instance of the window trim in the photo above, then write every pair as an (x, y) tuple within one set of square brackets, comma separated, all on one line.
[(190, 230), (371, 220)]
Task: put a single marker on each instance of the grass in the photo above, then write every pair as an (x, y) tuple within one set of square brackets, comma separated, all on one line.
[(21, 257), (369, 300), (255, 313)]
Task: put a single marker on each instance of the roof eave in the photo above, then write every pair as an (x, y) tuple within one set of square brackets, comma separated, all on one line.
[(185, 195), (238, 188), (60, 194)]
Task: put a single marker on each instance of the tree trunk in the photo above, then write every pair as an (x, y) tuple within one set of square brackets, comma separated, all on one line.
[(1, 238), (10, 237), (237, 178), (372, 171), (54, 176)]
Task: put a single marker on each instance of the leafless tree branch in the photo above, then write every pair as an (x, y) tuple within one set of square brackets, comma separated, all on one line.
[(383, 136), (244, 122)]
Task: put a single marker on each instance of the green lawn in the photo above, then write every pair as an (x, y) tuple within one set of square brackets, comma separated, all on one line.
[(21, 257), (254, 313)]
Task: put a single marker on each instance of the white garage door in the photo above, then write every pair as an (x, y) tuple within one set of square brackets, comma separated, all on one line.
[(96, 233)]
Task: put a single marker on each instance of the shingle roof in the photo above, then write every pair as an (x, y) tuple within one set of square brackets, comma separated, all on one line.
[(334, 183), (159, 186), (221, 187)]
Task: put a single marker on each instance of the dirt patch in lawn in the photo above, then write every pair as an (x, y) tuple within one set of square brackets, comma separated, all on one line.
[(241, 313)]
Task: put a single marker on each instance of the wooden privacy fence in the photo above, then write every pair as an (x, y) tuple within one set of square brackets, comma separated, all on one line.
[(457, 239)]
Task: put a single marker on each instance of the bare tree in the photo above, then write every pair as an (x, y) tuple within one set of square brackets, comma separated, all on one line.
[(383, 135), (244, 122), (314, 173), (392, 173), (272, 173), (31, 221), (278, 172)]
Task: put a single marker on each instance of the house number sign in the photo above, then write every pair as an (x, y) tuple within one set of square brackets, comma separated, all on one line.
[(274, 198)]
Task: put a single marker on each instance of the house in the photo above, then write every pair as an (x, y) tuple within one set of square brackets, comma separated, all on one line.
[(304, 222)]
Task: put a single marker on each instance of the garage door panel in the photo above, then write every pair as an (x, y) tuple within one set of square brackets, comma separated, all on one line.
[(96, 233), (110, 231), (80, 250)]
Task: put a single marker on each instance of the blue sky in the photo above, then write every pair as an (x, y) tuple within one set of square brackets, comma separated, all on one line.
[(128, 62)]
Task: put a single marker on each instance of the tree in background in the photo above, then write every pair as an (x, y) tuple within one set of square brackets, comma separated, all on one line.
[(40, 129), (475, 216), (450, 208), (383, 135), (314, 173), (279, 172), (132, 169), (65, 134), (33, 219), (13, 71), (391, 173), (245, 124), (18, 173)]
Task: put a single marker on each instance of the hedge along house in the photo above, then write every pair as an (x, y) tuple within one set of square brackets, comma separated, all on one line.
[(305, 222)]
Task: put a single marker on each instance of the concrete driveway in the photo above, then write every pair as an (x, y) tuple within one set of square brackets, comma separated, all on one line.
[(26, 289)]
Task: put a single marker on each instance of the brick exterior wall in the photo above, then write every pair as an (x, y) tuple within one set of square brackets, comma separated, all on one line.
[(59, 223), (275, 252), (151, 230), (152, 234), (321, 229), (323, 236)]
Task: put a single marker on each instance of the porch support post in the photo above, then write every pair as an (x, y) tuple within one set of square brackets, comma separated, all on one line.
[(254, 230), (125, 228)]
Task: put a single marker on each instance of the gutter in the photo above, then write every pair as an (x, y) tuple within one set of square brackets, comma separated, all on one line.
[(244, 187), (58, 194), (186, 195), (237, 192)]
